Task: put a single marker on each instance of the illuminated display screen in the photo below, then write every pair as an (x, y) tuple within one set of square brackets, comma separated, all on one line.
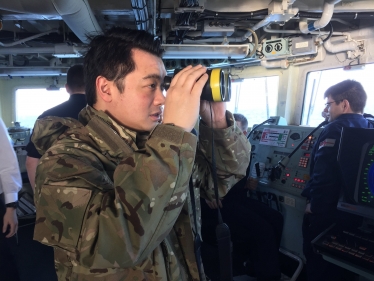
[(366, 184)]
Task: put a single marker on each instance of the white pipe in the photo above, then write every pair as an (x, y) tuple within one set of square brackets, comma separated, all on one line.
[(284, 64), (328, 10), (271, 18), (205, 51), (33, 50), (59, 49), (28, 38), (269, 30), (212, 40), (342, 47)]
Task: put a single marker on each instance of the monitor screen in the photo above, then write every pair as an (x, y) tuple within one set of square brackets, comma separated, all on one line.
[(356, 161)]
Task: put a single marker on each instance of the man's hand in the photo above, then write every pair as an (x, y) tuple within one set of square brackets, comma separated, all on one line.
[(10, 218), (213, 204), (218, 114), (183, 97), (308, 209)]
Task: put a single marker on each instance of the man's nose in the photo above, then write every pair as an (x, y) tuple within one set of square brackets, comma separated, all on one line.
[(159, 97)]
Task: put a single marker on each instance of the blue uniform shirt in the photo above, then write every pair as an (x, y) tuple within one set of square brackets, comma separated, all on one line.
[(70, 108), (324, 186)]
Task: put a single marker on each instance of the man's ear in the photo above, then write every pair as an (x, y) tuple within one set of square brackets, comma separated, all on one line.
[(67, 88), (103, 89), (346, 105)]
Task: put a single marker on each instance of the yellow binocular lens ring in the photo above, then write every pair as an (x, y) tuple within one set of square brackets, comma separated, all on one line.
[(215, 78)]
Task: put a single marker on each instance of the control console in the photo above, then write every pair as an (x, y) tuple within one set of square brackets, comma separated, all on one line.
[(270, 144)]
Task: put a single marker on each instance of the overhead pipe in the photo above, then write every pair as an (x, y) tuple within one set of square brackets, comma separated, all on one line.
[(213, 40), (28, 38), (340, 15), (61, 50), (247, 15), (342, 47), (271, 18), (269, 30), (79, 17), (205, 51), (76, 14), (284, 64), (328, 11)]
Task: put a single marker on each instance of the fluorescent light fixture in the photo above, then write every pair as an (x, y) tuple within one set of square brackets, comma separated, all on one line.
[(33, 71), (64, 56), (205, 51), (66, 51)]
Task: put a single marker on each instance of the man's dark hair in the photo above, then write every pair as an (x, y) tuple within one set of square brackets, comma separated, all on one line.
[(350, 90), (110, 55), (241, 118), (75, 78)]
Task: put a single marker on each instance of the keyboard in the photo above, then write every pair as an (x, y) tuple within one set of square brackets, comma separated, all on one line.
[(353, 246)]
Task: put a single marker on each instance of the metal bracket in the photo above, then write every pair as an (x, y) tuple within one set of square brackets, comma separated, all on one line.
[(196, 9)]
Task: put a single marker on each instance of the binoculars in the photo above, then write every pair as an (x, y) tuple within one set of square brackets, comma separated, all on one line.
[(217, 88)]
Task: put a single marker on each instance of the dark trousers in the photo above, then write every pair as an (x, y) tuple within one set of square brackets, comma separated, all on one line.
[(22, 258), (8, 269), (255, 229), (319, 269)]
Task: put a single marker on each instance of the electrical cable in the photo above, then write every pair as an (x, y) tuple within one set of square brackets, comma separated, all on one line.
[(330, 34), (255, 127), (256, 43)]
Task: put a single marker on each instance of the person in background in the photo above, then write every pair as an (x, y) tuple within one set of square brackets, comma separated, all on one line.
[(10, 185), (241, 122), (345, 103), (40, 266), (76, 89), (256, 229)]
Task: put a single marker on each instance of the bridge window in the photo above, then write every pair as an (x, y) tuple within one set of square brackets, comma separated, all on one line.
[(319, 81), (30, 103), (255, 98)]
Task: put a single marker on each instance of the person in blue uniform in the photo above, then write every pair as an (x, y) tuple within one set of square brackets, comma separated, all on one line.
[(75, 86), (345, 104)]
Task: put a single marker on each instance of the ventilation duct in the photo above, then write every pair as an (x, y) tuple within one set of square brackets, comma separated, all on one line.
[(77, 14)]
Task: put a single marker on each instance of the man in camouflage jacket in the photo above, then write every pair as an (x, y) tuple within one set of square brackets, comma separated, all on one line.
[(112, 189)]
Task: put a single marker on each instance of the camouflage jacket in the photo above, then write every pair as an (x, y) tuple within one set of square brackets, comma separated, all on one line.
[(115, 204)]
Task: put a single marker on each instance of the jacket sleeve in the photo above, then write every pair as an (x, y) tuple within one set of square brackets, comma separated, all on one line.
[(124, 220), (10, 177), (232, 153), (324, 184)]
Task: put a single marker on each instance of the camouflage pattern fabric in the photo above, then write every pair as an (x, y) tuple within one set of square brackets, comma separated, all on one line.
[(116, 207)]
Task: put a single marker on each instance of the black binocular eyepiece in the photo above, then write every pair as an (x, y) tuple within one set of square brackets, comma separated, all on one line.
[(217, 88)]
